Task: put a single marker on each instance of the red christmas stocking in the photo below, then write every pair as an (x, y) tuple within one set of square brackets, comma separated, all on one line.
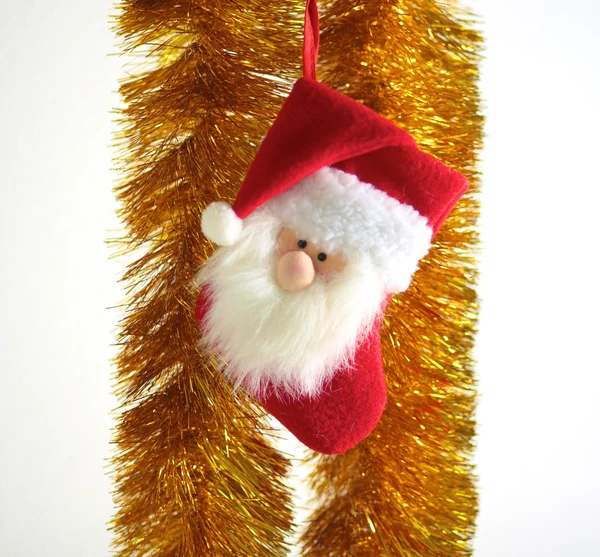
[(333, 216)]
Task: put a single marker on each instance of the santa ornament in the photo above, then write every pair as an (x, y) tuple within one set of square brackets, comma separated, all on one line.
[(332, 218)]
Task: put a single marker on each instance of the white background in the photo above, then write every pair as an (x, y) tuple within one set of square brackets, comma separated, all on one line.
[(538, 348)]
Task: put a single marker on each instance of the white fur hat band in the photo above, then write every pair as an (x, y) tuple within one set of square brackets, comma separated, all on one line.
[(343, 215)]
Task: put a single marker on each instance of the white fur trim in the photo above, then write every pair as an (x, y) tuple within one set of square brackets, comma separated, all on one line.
[(292, 341), (220, 224), (341, 214)]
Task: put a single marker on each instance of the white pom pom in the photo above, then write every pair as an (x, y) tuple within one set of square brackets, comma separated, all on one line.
[(220, 224)]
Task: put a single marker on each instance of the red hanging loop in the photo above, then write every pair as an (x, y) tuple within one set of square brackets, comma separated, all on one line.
[(311, 39)]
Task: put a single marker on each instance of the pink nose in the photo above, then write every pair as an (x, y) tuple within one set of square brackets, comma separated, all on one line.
[(295, 271)]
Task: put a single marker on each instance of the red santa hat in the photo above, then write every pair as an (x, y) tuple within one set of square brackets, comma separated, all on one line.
[(347, 179)]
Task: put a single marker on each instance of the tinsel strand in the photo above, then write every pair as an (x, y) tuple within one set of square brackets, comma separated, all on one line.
[(194, 470), (408, 490)]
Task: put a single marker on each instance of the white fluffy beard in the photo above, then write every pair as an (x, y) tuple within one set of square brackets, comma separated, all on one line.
[(293, 342)]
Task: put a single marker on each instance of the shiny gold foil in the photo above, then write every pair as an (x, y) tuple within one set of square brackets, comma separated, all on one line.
[(195, 473), (408, 490), (194, 468)]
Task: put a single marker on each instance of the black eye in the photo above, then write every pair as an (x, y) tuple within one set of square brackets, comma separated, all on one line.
[(302, 244), (322, 256)]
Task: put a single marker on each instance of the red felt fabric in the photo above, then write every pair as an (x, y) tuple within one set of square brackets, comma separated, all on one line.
[(318, 127), (347, 410), (311, 39)]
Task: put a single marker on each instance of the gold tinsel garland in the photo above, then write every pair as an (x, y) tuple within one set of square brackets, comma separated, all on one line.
[(408, 489), (195, 473)]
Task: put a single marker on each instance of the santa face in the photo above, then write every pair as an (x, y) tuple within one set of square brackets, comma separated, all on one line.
[(282, 312), (300, 260)]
